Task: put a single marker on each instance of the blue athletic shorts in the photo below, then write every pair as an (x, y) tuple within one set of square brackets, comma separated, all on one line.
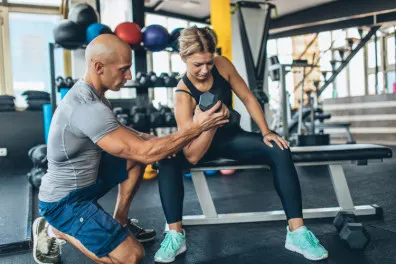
[(79, 214)]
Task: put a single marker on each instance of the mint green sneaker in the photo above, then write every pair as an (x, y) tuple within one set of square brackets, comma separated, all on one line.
[(174, 244), (304, 242)]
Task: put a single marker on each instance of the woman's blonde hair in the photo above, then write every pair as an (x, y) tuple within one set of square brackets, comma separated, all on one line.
[(194, 39)]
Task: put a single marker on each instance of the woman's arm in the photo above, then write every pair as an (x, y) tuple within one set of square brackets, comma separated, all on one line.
[(241, 89), (184, 110)]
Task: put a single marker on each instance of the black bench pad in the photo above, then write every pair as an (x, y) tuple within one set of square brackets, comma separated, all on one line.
[(346, 152)]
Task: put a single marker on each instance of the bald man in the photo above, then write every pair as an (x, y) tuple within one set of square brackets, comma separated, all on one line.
[(89, 152)]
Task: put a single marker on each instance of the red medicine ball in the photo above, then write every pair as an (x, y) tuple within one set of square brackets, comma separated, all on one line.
[(130, 33)]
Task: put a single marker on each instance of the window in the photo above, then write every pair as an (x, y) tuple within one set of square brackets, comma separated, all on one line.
[(113, 13), (272, 49), (176, 23), (29, 38), (356, 74), (371, 54), (285, 49), (371, 82), (391, 79), (390, 47), (341, 84)]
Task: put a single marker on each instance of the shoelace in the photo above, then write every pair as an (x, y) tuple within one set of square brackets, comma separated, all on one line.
[(169, 241), (134, 223), (309, 240), (56, 244)]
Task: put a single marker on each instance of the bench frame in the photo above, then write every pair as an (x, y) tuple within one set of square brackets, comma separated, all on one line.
[(340, 185)]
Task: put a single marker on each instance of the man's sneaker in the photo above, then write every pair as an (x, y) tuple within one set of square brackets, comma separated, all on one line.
[(174, 244), (45, 249), (304, 242), (141, 235)]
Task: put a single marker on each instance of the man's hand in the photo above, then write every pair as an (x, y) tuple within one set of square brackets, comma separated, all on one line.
[(211, 118)]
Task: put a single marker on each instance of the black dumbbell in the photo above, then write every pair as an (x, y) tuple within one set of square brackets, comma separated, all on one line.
[(155, 80), (170, 120), (171, 81), (352, 233), (35, 175), (60, 82), (69, 82), (139, 117), (144, 80), (164, 77), (155, 116), (208, 100)]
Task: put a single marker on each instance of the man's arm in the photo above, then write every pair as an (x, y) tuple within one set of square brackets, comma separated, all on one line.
[(122, 143), (142, 135)]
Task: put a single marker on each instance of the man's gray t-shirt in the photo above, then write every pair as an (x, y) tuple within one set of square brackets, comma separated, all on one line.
[(82, 118)]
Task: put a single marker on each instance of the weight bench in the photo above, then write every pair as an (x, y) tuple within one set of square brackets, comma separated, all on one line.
[(332, 156), (338, 125)]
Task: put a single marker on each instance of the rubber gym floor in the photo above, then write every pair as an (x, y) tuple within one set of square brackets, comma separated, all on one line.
[(237, 243)]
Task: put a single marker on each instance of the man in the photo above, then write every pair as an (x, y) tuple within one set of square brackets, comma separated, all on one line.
[(79, 174)]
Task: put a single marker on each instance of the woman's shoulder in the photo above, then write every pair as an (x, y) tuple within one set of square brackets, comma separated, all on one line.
[(223, 66)]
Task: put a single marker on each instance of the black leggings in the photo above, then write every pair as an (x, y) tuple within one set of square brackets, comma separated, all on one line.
[(239, 145)]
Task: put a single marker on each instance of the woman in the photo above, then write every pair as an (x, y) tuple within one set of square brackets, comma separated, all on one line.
[(205, 72)]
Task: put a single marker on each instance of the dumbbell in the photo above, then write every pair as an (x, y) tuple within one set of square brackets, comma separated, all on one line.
[(155, 117), (171, 81), (164, 77), (35, 175), (69, 82), (60, 82), (138, 117), (352, 233), (144, 80), (170, 120), (208, 100), (155, 80)]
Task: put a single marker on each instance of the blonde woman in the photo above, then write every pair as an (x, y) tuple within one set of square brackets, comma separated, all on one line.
[(207, 72)]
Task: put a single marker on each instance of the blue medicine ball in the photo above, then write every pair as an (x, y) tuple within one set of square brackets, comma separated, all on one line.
[(155, 37), (95, 30), (174, 39)]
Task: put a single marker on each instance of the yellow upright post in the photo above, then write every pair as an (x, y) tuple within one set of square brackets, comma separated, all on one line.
[(220, 19)]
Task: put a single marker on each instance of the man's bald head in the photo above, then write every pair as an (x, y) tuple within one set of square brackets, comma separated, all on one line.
[(106, 48), (109, 61)]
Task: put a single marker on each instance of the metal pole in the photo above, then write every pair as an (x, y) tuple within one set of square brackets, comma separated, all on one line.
[(285, 125), (376, 63), (51, 48)]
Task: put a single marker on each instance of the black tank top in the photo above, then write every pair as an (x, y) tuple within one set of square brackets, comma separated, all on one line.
[(220, 86)]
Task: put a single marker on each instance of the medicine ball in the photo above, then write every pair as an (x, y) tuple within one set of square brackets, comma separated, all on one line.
[(174, 39), (95, 30), (83, 14), (155, 37), (69, 35), (129, 32)]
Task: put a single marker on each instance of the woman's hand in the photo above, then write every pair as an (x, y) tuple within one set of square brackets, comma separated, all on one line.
[(271, 136)]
